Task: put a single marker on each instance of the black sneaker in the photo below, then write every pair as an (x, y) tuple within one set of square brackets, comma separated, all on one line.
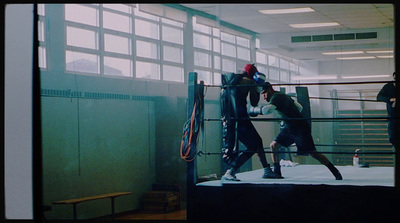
[(337, 175), (268, 173)]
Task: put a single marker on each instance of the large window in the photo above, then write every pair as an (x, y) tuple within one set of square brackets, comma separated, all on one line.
[(203, 51), (99, 39), (159, 48), (82, 38), (218, 51), (172, 50), (147, 42), (235, 52), (277, 69), (122, 40)]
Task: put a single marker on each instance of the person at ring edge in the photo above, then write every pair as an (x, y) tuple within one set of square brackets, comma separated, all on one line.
[(388, 94), (292, 131), (246, 132)]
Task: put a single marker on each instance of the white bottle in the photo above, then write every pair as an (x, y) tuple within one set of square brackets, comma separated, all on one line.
[(356, 159)]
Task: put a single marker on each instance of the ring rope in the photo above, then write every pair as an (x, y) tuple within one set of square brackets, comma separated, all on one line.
[(343, 99), (200, 153), (349, 119), (354, 145), (299, 84), (344, 119)]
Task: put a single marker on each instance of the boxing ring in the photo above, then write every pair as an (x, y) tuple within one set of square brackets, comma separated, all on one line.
[(307, 192), (316, 175)]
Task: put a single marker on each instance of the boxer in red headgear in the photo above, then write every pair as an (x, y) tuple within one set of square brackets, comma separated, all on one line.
[(250, 70), (246, 132)]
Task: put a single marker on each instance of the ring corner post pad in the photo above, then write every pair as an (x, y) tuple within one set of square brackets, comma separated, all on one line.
[(191, 175), (304, 99)]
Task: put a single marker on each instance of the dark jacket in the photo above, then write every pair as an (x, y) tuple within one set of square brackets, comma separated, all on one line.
[(388, 91)]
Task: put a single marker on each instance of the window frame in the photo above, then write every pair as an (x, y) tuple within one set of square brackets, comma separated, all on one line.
[(264, 65), (217, 39), (42, 37)]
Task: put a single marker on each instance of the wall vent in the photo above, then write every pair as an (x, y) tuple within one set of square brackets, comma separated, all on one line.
[(140, 98), (96, 95), (301, 39), (336, 37), (56, 93), (317, 38), (371, 35), (346, 36), (78, 94)]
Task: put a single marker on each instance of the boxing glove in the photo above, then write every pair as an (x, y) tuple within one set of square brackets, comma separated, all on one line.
[(268, 109), (254, 111), (259, 78)]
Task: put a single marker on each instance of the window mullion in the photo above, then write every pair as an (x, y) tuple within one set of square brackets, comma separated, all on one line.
[(100, 40), (160, 50), (133, 46)]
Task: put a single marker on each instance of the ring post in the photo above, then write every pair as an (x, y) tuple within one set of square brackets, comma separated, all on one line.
[(191, 166)]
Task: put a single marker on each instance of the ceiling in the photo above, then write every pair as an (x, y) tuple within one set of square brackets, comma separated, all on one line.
[(276, 35)]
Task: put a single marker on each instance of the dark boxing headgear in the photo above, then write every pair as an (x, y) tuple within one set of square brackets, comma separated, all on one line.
[(266, 86), (250, 70)]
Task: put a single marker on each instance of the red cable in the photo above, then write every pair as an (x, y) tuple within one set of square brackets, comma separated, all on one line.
[(186, 156)]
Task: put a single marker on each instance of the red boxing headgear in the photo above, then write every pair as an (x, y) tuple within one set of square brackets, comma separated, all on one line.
[(250, 69)]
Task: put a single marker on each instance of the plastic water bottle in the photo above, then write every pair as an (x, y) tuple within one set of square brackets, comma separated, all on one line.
[(356, 159)]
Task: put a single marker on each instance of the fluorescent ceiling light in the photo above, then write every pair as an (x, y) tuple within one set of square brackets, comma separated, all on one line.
[(325, 77), (385, 57), (380, 51), (343, 52), (355, 58), (314, 25), (286, 11), (366, 76)]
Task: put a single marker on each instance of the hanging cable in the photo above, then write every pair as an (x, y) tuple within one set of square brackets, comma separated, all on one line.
[(190, 130)]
